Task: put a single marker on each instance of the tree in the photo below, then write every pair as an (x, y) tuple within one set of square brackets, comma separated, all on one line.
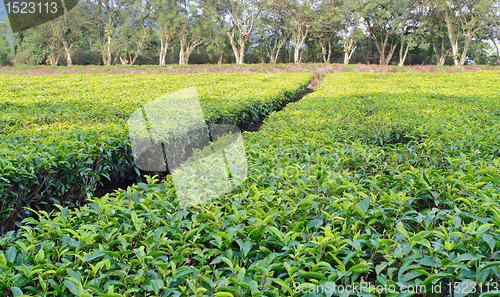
[(237, 17), (435, 33), (5, 50), (494, 30), (463, 19), (216, 43), (272, 27), (299, 15), (71, 30), (369, 31), (165, 18), (348, 26), (194, 25), (106, 17), (51, 34), (494, 37), (136, 27), (323, 29), (408, 24), (345, 16), (382, 20), (30, 47)]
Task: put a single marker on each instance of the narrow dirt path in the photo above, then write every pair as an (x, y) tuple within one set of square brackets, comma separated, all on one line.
[(309, 89), (110, 187), (231, 68)]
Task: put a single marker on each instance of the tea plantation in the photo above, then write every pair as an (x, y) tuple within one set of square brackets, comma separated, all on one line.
[(390, 180), (60, 135)]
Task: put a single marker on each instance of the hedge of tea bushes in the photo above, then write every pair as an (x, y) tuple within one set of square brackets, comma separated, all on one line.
[(383, 180), (61, 135)]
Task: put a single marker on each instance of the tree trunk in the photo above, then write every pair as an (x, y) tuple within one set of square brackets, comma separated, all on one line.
[(108, 51), (454, 52), (182, 60), (381, 50), (136, 55), (52, 56), (52, 59), (296, 54), (323, 52), (348, 42), (468, 40), (273, 58), (299, 42), (163, 55), (348, 53), (182, 42), (452, 38), (187, 55), (164, 38), (440, 54), (274, 53), (103, 52), (67, 48), (402, 57), (391, 53), (328, 58), (242, 50), (234, 47), (346, 58), (496, 47), (138, 50), (220, 59), (401, 47), (69, 61), (187, 48), (238, 49)]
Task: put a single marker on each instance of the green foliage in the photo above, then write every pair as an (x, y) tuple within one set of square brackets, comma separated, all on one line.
[(30, 47), (62, 135), (386, 178), (5, 51)]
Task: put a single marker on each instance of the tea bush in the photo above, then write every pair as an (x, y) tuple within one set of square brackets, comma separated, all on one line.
[(61, 135), (386, 179)]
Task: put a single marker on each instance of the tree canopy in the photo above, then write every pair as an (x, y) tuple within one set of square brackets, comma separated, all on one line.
[(397, 32)]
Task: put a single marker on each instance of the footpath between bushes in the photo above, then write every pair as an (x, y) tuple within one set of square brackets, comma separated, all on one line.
[(110, 187)]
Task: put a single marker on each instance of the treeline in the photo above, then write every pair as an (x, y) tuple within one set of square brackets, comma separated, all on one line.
[(108, 32)]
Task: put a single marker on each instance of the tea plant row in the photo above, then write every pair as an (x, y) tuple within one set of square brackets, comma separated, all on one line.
[(62, 135)]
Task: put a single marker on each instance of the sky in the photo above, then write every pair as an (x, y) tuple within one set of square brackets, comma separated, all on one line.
[(3, 13), (3, 18)]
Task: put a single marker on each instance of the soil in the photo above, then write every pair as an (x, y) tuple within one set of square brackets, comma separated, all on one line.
[(111, 187), (226, 68), (309, 89)]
